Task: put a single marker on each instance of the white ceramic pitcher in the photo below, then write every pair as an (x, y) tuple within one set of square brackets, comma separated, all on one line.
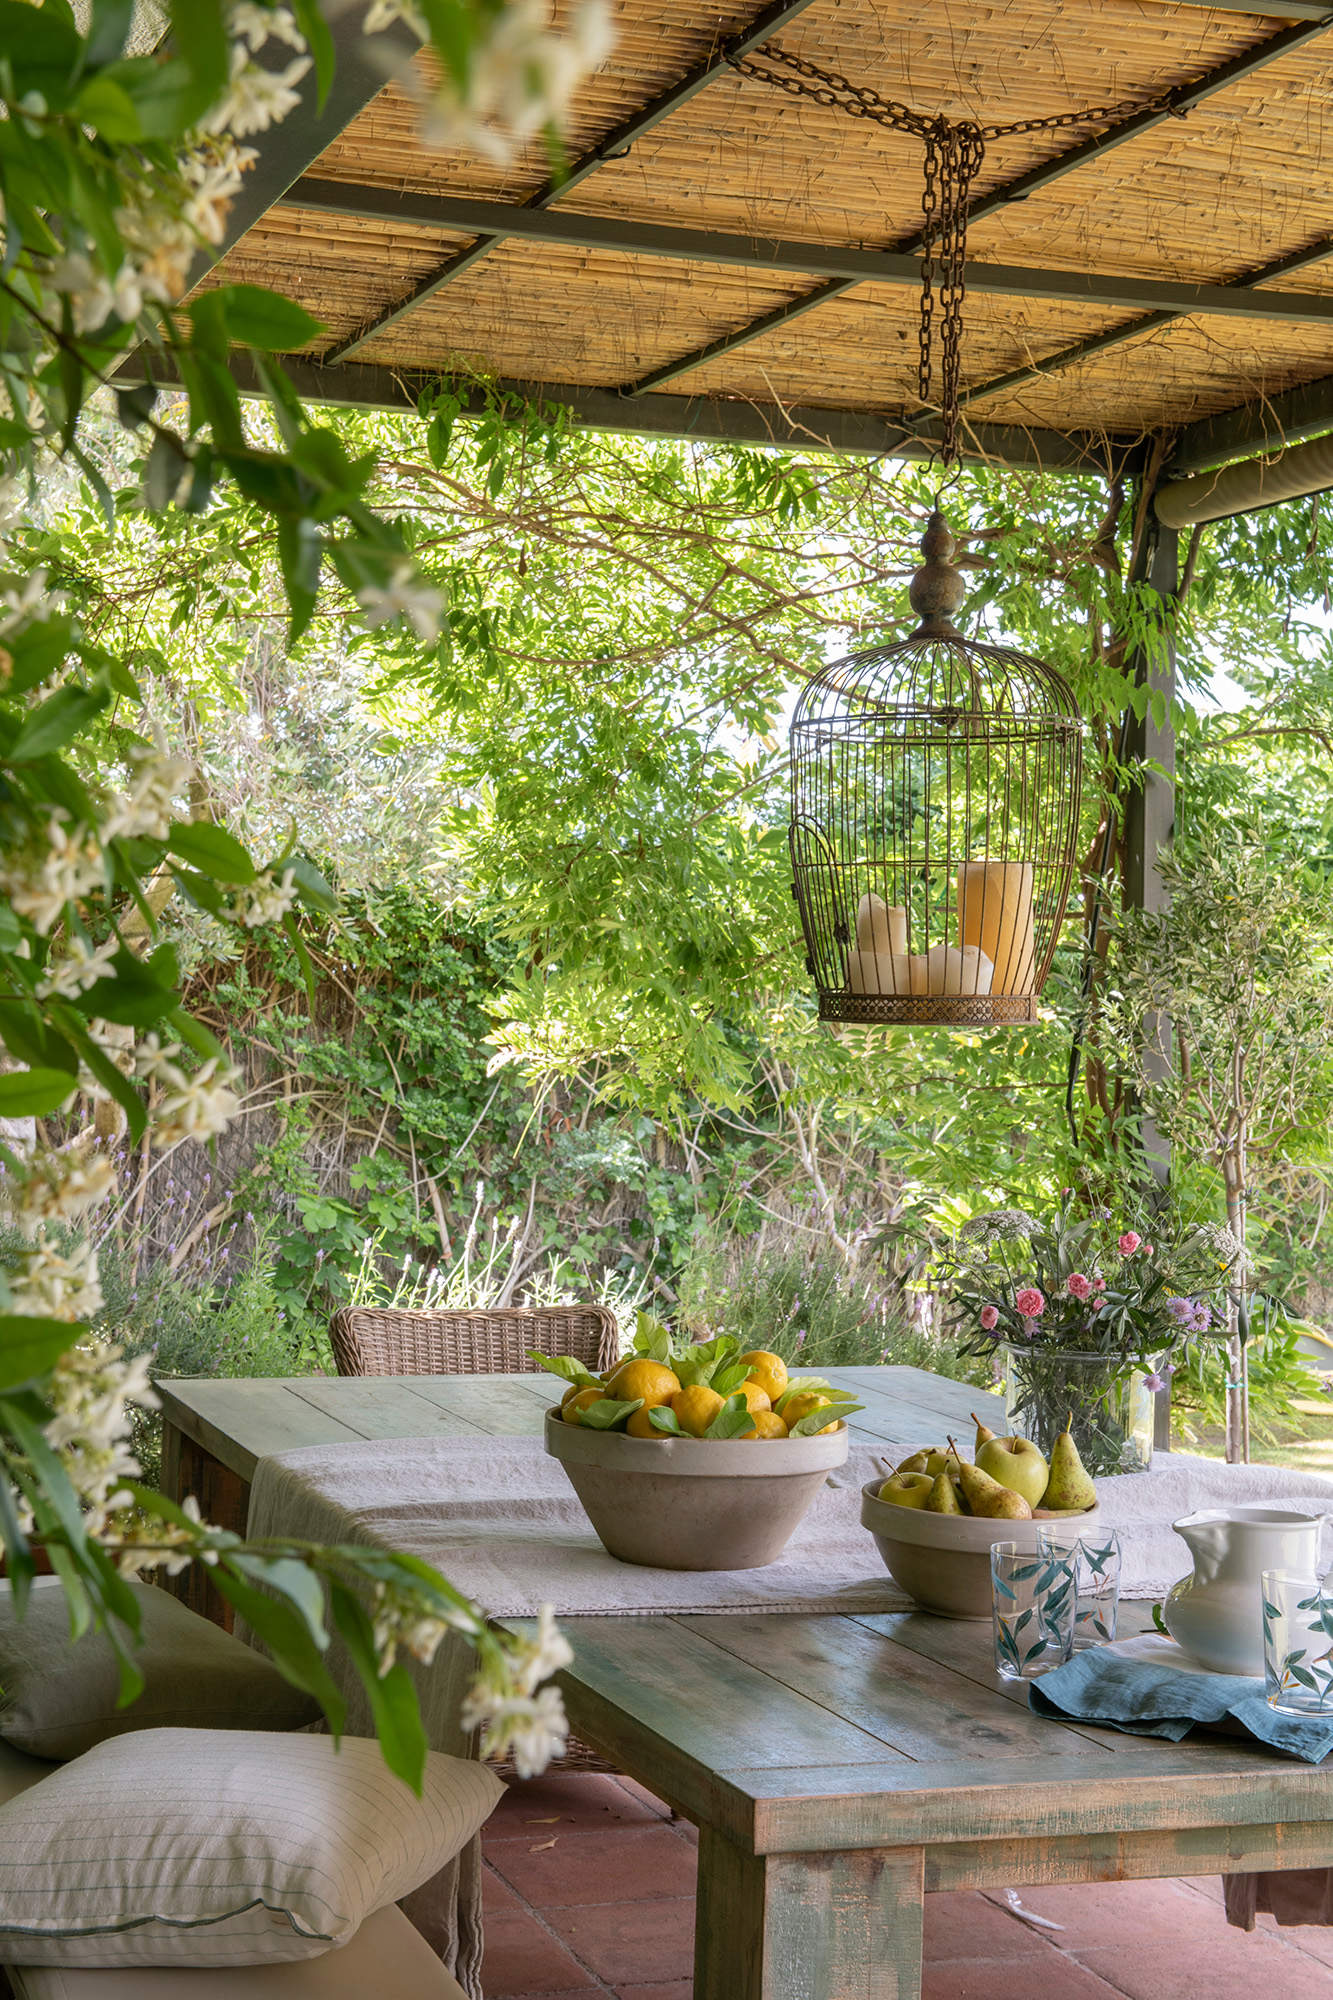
[(1216, 1614)]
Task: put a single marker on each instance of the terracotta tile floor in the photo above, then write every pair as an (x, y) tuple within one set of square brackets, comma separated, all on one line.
[(590, 1892)]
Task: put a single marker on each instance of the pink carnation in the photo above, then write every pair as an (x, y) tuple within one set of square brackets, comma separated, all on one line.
[(1147, 1249), (1099, 1284), (1029, 1301), (1078, 1287), (1129, 1243), (990, 1318)]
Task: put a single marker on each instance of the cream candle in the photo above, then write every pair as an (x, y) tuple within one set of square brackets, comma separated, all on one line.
[(995, 914)]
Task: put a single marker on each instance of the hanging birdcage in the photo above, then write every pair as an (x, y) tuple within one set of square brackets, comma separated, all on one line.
[(935, 801)]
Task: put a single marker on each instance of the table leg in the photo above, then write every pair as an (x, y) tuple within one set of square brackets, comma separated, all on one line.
[(807, 1926), (224, 1499)]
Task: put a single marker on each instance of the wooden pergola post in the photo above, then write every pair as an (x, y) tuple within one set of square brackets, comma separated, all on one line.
[(1150, 815)]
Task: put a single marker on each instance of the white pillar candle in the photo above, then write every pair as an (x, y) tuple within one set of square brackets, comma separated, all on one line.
[(995, 914)]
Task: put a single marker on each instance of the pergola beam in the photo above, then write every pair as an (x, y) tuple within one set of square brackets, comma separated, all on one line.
[(702, 420), (775, 16), (1254, 428), (757, 252), (1098, 343), (1176, 102)]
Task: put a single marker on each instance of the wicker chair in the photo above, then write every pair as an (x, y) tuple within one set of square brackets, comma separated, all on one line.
[(390, 1342)]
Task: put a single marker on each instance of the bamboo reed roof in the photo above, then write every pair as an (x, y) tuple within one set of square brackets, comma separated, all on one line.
[(1233, 185)]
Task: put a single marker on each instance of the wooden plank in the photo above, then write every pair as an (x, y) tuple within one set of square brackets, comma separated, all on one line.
[(918, 1710), (817, 1927), (1128, 1857), (240, 1422), (494, 1405), (383, 1406), (1156, 1787), (224, 1501)]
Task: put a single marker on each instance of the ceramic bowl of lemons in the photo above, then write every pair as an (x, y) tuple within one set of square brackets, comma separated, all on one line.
[(694, 1503), (943, 1560)]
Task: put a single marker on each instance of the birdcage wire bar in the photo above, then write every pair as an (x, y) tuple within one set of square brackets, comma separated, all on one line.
[(935, 789)]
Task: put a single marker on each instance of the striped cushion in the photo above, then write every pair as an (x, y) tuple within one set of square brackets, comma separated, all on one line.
[(222, 1847)]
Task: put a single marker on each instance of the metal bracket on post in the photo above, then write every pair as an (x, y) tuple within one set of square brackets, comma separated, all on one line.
[(1150, 814)]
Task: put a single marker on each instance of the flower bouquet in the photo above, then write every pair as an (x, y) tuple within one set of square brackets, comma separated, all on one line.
[(1087, 1316)]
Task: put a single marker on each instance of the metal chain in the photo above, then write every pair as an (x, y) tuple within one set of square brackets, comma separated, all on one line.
[(955, 150)]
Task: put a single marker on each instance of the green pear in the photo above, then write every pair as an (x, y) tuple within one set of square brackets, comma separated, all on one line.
[(915, 1462), (989, 1500), (907, 1489), (1069, 1489), (984, 1433), (942, 1497), (1017, 1464)]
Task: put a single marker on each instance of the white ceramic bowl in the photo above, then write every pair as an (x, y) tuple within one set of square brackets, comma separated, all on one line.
[(691, 1503), (943, 1560)]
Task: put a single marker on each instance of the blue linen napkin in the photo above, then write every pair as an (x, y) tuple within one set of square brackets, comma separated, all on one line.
[(1148, 1698)]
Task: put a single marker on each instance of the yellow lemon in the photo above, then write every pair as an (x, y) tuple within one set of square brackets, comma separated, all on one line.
[(768, 1370), (695, 1408), (767, 1424), (573, 1406), (756, 1399), (801, 1406), (639, 1426), (574, 1389), (652, 1381)]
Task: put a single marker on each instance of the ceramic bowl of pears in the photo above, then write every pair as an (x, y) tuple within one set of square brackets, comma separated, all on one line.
[(936, 1514)]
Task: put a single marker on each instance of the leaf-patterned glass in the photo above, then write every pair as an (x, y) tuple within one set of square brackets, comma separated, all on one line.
[(1033, 1595), (1298, 1642), (1095, 1554)]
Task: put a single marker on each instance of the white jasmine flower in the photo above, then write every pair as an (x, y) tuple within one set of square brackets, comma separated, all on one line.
[(214, 177), (404, 596), (44, 1284), (257, 25), (522, 78), (549, 1652), (383, 13), (256, 98), (40, 884), (79, 968), (200, 1106), (532, 1728), (61, 1187), (147, 809), (264, 902)]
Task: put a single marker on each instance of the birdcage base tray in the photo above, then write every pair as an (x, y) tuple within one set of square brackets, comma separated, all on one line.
[(942, 1010)]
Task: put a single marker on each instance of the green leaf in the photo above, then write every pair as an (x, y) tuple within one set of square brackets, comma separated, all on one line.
[(213, 851), (567, 1367), (394, 1708), (292, 1579), (19, 1565), (733, 1420), (297, 1652), (109, 110), (663, 1418), (818, 1420), (259, 318), (30, 1348), (59, 719), (31, 1093), (608, 1413)]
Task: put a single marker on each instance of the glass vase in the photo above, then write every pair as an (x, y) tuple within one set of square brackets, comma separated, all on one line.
[(1111, 1407)]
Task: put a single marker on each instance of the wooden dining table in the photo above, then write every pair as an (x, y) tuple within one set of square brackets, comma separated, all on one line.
[(838, 1767)]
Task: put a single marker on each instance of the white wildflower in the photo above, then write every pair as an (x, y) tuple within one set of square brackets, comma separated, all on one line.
[(406, 596), (266, 901), (155, 1062), (46, 1284), (90, 1393), (403, 1618), (214, 177), (40, 883), (200, 1106), (256, 98), (257, 25), (78, 968)]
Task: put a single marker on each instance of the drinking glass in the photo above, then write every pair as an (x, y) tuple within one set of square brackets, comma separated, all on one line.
[(1032, 1597), (1095, 1555), (1298, 1642)]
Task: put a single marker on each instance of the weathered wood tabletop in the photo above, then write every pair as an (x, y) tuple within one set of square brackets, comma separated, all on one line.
[(837, 1768)]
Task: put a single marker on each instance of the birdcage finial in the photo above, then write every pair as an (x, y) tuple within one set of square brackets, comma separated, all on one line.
[(937, 589)]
